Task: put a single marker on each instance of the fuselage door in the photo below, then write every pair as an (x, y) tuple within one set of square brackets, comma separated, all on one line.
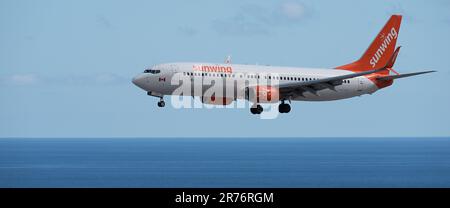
[(360, 84)]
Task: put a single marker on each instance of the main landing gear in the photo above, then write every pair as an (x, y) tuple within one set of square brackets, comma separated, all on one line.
[(258, 109), (282, 108)]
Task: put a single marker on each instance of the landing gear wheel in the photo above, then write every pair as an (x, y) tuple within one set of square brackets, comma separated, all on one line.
[(284, 108), (260, 109), (257, 110), (161, 104), (288, 108)]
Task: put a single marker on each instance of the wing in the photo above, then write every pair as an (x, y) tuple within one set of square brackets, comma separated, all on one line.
[(298, 88)]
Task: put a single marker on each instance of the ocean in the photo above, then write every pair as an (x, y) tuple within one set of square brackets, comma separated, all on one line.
[(225, 162)]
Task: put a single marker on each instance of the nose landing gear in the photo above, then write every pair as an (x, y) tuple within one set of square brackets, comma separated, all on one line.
[(161, 103)]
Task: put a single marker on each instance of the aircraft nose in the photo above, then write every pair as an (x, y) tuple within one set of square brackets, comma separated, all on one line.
[(135, 80), (138, 80)]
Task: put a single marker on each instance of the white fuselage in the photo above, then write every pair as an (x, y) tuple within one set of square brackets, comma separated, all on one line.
[(159, 82)]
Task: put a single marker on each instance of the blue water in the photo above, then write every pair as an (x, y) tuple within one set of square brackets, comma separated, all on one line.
[(226, 162)]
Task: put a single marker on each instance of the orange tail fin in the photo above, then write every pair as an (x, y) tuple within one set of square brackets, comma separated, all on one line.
[(381, 49)]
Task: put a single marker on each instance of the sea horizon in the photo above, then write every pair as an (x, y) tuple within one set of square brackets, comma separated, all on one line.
[(171, 162)]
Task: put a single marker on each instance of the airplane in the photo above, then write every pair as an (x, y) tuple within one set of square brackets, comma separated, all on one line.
[(275, 84)]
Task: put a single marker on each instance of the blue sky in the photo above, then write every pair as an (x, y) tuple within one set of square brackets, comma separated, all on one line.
[(66, 66)]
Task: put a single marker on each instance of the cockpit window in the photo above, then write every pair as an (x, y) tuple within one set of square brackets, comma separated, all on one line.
[(152, 71)]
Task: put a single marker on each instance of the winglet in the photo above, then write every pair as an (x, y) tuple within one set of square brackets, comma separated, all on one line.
[(391, 61)]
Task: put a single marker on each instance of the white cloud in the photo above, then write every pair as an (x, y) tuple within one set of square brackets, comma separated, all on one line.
[(20, 79), (238, 27), (74, 80), (104, 22), (187, 31), (397, 8), (107, 79), (293, 10), (93, 79), (255, 19)]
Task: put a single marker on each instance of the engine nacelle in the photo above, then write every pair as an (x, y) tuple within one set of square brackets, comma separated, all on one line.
[(217, 100), (263, 94)]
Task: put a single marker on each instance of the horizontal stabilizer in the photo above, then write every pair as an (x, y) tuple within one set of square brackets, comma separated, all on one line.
[(391, 77)]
